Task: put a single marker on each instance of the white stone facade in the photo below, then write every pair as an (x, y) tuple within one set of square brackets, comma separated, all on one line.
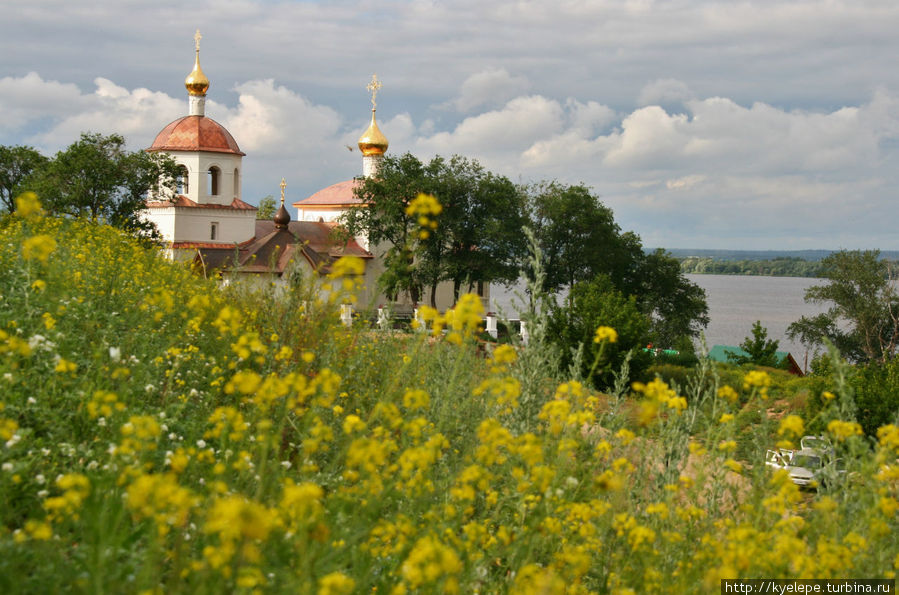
[(199, 181), (204, 224)]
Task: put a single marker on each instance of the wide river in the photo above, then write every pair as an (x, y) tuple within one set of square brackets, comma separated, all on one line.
[(735, 303)]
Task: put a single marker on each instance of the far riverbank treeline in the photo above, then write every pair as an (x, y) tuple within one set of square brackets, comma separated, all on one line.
[(778, 267), (798, 263)]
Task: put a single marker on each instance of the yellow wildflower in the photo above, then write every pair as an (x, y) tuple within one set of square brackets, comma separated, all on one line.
[(64, 366), (791, 425), (429, 562), (38, 247), (415, 399), (625, 435), (336, 583), (756, 379), (27, 204), (888, 437), (733, 466), (504, 354), (605, 333), (844, 429), (424, 205), (8, 428), (727, 393), (302, 503), (347, 266), (245, 381), (352, 424), (727, 445)]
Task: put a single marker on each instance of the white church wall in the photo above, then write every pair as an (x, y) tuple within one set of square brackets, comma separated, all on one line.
[(226, 163), (326, 215), (192, 162), (232, 226), (164, 218), (198, 165)]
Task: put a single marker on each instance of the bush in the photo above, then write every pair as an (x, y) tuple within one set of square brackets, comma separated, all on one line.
[(876, 388), (670, 373), (589, 306)]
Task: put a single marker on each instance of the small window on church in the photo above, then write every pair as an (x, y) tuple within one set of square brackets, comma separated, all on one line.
[(182, 180), (236, 183), (213, 230), (215, 175)]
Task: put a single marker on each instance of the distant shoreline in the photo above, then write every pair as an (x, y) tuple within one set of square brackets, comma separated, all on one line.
[(762, 255), (766, 263)]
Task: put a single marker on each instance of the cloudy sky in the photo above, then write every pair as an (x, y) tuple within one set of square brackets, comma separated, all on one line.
[(770, 124)]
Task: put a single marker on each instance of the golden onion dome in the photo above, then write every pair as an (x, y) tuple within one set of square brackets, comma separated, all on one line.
[(196, 82), (372, 141)]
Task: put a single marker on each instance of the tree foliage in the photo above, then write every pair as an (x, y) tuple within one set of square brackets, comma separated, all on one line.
[(579, 240), (676, 305), (578, 236), (16, 165), (267, 208), (97, 178), (592, 304), (383, 220), (876, 394), (477, 238), (862, 319), (785, 266), (760, 350)]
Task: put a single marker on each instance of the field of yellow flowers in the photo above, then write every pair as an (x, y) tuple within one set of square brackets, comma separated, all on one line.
[(164, 434)]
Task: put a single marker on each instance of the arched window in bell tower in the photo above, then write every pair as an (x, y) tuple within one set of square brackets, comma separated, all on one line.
[(182, 181), (215, 178)]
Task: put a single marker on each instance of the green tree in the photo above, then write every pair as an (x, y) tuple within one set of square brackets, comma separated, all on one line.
[(862, 319), (97, 178), (267, 208), (383, 220), (478, 236), (579, 239), (592, 304), (676, 305), (480, 226), (760, 350), (578, 236), (876, 394), (16, 164)]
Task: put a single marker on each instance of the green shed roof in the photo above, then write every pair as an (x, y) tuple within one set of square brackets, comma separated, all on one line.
[(718, 353)]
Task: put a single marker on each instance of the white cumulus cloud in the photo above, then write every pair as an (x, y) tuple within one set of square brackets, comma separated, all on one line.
[(664, 92), (491, 87)]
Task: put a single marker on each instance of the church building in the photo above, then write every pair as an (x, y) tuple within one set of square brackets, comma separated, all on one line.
[(207, 221), (206, 210)]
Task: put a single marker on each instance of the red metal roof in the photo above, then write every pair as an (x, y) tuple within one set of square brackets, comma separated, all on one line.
[(184, 202), (210, 245), (337, 194), (195, 133)]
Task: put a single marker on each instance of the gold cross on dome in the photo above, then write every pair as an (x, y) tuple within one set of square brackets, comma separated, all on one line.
[(283, 186), (197, 38), (374, 86)]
